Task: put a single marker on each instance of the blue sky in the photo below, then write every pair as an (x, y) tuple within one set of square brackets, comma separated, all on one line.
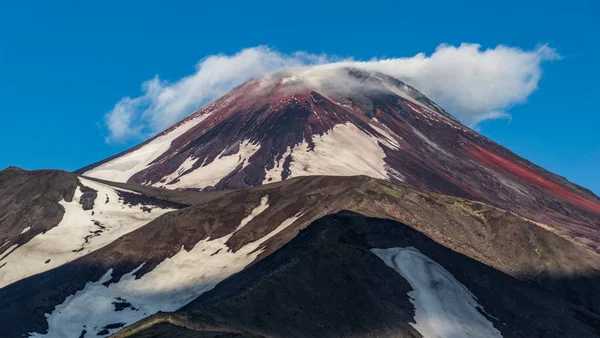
[(63, 68)]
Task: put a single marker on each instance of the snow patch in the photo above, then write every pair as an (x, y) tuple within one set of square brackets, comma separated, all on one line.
[(390, 141), (255, 212), (185, 166), (123, 167), (429, 142), (175, 282), (443, 306), (275, 174), (395, 174), (213, 172), (343, 151), (78, 233), (25, 230), (403, 93), (7, 252)]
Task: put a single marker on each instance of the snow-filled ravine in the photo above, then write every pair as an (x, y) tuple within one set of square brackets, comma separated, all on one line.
[(444, 308), (78, 233), (175, 282)]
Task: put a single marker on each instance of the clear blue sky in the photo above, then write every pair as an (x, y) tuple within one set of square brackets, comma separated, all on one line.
[(63, 67)]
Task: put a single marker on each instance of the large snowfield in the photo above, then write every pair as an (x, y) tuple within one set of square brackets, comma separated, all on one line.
[(211, 173), (172, 284), (78, 233), (444, 308), (343, 151)]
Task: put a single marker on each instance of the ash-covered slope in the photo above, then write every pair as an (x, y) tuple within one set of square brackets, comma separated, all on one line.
[(181, 255), (339, 121), (334, 280)]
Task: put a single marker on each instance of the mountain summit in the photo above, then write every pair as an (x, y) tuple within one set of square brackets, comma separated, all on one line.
[(315, 202), (345, 121)]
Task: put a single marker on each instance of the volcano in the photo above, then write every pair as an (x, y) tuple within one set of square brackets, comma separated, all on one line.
[(315, 202), (345, 121)]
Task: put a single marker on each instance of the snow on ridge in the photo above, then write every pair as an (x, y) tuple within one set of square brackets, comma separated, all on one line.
[(77, 234), (255, 212), (175, 282), (444, 307), (123, 167), (213, 172)]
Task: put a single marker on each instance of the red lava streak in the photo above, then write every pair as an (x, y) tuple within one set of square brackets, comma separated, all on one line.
[(496, 161)]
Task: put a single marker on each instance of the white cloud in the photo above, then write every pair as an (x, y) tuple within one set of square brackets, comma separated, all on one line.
[(163, 104), (471, 83)]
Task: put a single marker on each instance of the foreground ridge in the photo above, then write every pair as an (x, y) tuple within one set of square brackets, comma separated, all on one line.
[(193, 254)]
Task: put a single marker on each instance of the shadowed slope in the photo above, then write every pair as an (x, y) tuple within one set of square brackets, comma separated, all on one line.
[(327, 283), (241, 227), (29, 203)]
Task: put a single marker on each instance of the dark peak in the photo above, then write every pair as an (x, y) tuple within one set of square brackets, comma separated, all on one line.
[(12, 168), (358, 73)]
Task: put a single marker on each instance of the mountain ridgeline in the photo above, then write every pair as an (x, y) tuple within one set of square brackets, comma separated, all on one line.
[(317, 202)]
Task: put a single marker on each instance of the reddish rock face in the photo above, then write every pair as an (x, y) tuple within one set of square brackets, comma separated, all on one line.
[(351, 123)]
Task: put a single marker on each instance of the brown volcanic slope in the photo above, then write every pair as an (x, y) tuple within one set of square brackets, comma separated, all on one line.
[(326, 283), (49, 217), (29, 200), (527, 256), (289, 124)]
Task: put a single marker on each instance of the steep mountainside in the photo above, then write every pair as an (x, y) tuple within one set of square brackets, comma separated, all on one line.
[(49, 218), (29, 203), (322, 121), (315, 202), (331, 281), (169, 262)]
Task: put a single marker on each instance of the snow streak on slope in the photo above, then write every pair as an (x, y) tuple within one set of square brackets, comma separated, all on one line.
[(444, 308), (172, 284), (209, 174), (122, 168), (255, 212), (78, 233), (343, 151)]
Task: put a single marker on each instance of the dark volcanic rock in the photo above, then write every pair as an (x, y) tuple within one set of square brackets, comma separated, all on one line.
[(137, 199), (429, 149), (326, 283), (500, 240), (88, 197), (29, 199)]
